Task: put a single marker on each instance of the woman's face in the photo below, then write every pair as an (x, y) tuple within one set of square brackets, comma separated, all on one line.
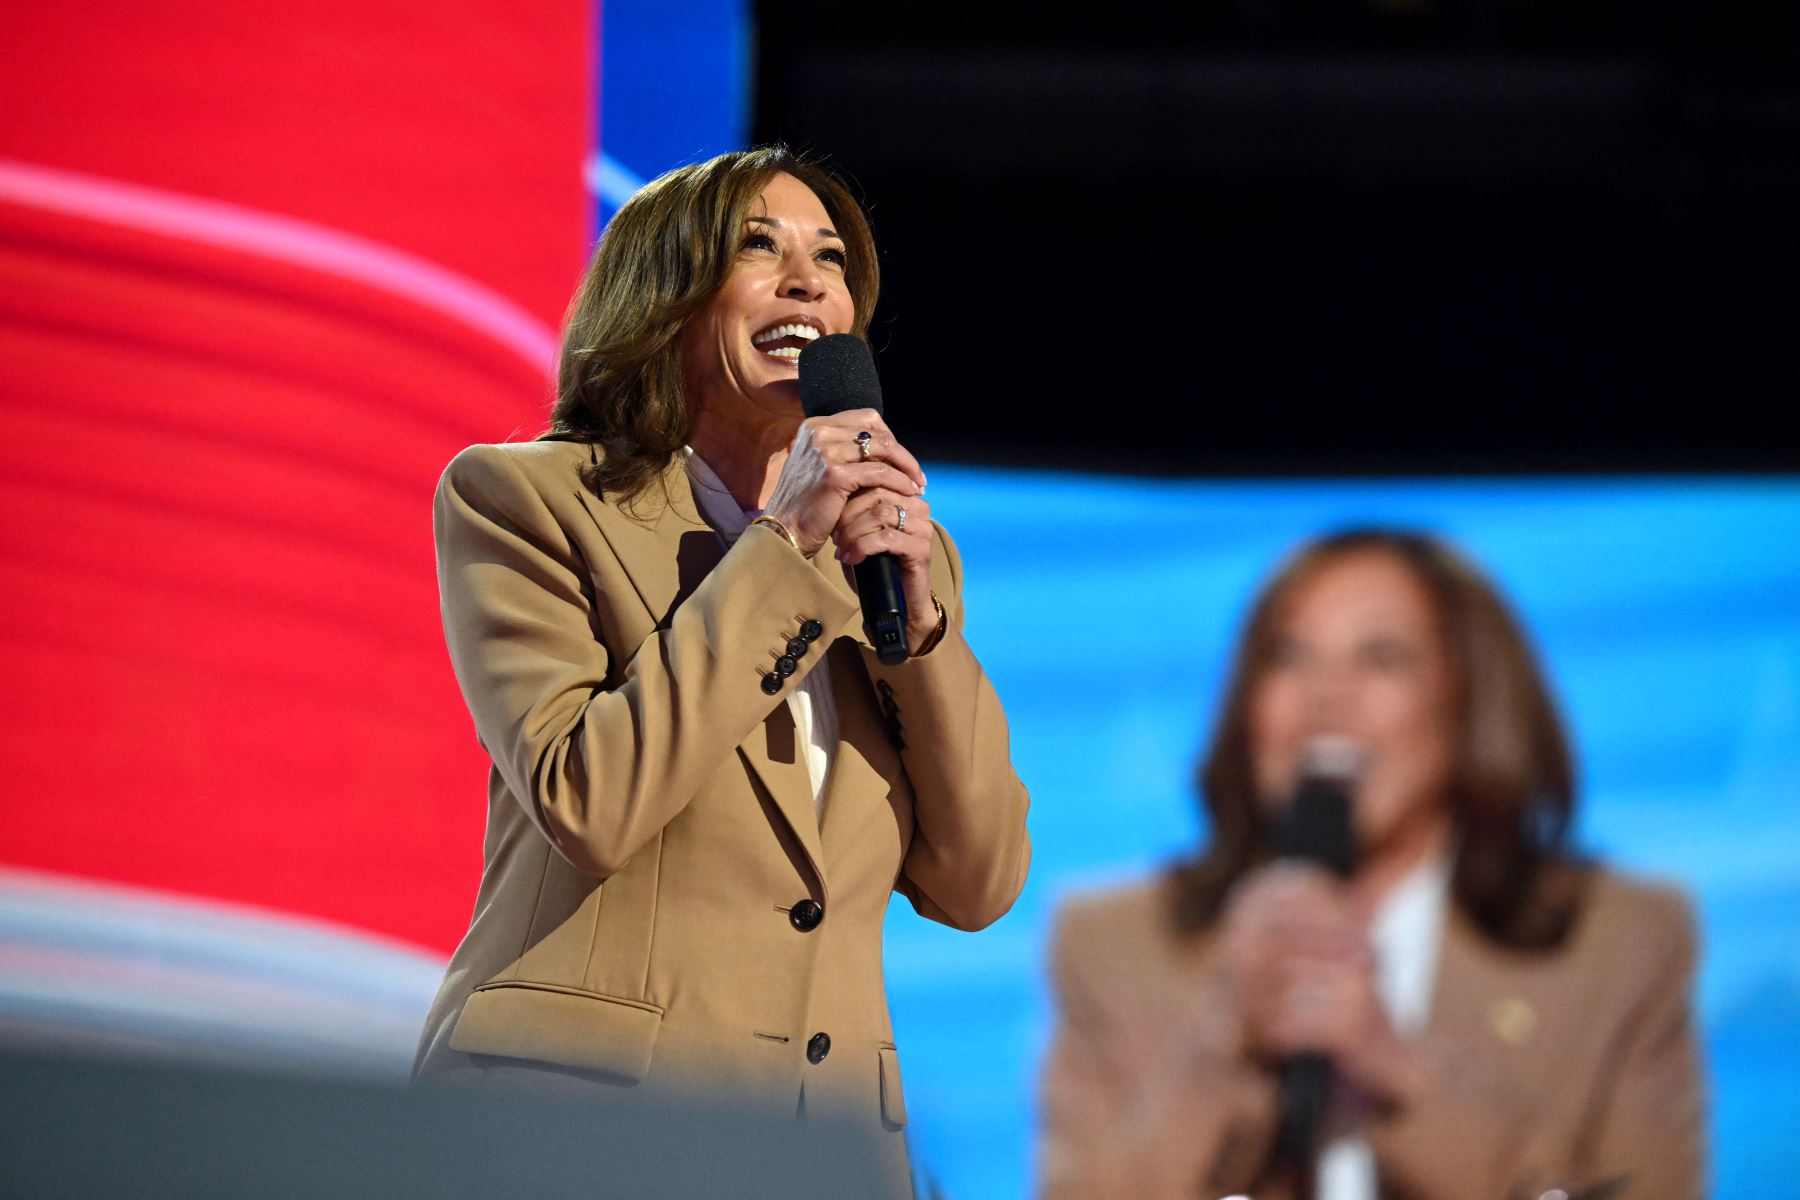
[(1358, 654), (740, 353)]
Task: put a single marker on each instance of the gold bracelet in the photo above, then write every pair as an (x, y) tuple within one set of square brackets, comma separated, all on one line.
[(936, 635), (778, 527)]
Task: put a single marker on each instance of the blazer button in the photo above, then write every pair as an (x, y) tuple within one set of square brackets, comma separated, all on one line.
[(806, 915), (811, 630), (785, 665), (771, 683), (818, 1048), (797, 646)]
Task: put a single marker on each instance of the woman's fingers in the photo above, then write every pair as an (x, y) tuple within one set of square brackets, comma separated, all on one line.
[(874, 507), (1289, 908), (828, 468), (868, 533), (1312, 1012), (853, 477), (840, 432), (911, 548), (1300, 956)]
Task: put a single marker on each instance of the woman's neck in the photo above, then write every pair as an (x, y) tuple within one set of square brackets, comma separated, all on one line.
[(746, 452), (1395, 858)]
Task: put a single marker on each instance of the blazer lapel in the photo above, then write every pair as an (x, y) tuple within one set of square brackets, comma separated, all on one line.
[(667, 549), (1487, 1015), (867, 764), (773, 753), (663, 543), (777, 759)]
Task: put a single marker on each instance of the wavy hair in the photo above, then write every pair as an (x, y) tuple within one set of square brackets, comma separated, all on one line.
[(664, 255), (1512, 785)]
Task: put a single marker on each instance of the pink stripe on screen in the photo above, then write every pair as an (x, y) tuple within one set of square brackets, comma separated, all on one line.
[(283, 239)]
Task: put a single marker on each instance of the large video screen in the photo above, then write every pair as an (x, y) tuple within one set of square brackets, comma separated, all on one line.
[(264, 271), (1665, 611)]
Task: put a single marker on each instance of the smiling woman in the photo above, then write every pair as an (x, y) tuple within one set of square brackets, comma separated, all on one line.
[(1500, 1017), (705, 784), (668, 254)]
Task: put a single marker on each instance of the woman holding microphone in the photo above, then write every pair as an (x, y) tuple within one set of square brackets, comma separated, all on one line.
[(705, 784), (1500, 1018)]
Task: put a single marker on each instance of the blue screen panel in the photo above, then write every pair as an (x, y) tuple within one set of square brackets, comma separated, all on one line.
[(674, 88), (1666, 613)]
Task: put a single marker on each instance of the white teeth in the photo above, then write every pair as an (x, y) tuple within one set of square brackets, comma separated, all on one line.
[(784, 352), (781, 331)]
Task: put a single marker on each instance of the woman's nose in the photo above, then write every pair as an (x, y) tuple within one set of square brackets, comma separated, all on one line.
[(1329, 695), (801, 279)]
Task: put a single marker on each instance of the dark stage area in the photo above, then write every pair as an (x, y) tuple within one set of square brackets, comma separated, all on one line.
[(1277, 238)]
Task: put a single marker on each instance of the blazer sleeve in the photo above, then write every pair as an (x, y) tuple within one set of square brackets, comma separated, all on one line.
[(970, 850), (1645, 1140), (1136, 1103), (602, 758)]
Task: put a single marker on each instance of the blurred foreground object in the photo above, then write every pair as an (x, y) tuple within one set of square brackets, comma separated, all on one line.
[(87, 1128)]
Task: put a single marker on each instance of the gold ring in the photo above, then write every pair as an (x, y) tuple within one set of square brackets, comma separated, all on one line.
[(862, 443)]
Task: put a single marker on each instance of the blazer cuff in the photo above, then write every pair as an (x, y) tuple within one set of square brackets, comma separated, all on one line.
[(801, 612)]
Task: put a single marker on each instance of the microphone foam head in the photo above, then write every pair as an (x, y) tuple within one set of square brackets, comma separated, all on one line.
[(1320, 821), (837, 373)]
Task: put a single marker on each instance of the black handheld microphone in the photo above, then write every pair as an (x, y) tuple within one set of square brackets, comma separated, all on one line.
[(1317, 829), (837, 373)]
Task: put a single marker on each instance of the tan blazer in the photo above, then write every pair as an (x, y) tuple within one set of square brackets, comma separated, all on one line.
[(1573, 1070), (651, 827)]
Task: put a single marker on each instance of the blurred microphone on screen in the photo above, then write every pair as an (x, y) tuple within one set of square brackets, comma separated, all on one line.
[(1316, 831)]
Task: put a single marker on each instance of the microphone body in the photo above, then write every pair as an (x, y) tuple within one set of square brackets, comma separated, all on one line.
[(1318, 830), (837, 373)]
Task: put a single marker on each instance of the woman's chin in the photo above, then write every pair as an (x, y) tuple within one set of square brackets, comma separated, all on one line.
[(780, 394), (755, 401)]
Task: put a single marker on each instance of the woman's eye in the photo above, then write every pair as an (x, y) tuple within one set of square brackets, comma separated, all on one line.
[(758, 241), (834, 256)]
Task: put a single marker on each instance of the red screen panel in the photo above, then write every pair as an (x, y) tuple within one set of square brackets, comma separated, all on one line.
[(262, 273)]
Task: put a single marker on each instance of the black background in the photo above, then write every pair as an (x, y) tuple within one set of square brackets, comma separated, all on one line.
[(1347, 237)]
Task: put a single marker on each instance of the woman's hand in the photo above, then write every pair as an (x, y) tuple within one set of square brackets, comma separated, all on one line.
[(1305, 979), (826, 468), (871, 525)]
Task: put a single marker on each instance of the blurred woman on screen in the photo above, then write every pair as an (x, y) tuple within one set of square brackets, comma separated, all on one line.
[(705, 785), (1500, 1019)]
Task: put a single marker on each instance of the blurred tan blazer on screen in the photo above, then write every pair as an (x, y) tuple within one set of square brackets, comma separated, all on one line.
[(661, 909), (1574, 1069)]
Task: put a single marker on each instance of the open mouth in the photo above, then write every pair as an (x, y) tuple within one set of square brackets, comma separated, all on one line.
[(786, 340)]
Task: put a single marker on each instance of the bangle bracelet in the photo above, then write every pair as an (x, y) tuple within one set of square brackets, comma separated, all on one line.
[(778, 527), (936, 635)]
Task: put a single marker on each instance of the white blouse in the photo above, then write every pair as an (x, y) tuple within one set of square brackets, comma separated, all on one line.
[(1405, 934)]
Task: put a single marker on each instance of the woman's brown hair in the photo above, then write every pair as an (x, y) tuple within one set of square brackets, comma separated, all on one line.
[(1512, 785), (665, 253)]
